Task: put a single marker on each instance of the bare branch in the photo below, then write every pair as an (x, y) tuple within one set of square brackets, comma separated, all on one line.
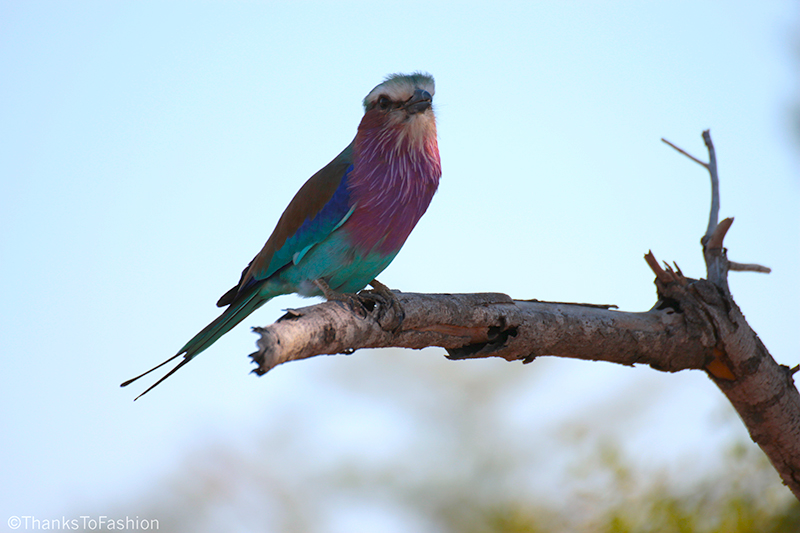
[(712, 170), (488, 325), (748, 267), (714, 241), (664, 276), (714, 253), (761, 391), (711, 166), (687, 154)]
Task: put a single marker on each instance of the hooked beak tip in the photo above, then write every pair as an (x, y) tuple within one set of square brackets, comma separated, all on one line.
[(421, 101)]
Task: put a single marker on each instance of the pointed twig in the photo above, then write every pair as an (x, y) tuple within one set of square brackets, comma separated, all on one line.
[(712, 170), (713, 251), (711, 166), (594, 306), (687, 154), (714, 241), (655, 267), (748, 267)]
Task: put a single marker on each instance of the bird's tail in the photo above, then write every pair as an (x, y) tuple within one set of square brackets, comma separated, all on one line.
[(235, 313)]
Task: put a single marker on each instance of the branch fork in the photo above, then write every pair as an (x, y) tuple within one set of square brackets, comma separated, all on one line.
[(715, 254), (762, 391)]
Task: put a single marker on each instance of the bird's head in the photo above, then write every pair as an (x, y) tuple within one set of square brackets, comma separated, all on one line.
[(404, 102)]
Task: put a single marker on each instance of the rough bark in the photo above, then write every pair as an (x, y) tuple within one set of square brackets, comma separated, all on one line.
[(760, 390), (485, 325), (694, 325)]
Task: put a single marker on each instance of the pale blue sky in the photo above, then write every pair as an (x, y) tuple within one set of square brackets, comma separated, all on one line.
[(147, 150)]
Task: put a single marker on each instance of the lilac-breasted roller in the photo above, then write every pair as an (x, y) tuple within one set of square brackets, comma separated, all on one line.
[(349, 220)]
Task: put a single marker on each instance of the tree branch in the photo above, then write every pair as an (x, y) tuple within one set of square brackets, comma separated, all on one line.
[(711, 166), (748, 267), (712, 171), (761, 391), (487, 325)]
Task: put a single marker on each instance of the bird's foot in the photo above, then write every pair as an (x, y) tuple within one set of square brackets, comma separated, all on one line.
[(380, 302), (351, 301), (386, 305)]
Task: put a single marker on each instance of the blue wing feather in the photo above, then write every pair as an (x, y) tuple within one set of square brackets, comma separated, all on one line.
[(313, 230), (320, 206)]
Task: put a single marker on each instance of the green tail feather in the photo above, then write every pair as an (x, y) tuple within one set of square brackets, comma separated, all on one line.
[(230, 318), (235, 313)]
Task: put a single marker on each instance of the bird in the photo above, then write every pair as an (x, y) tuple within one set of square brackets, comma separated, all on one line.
[(350, 219)]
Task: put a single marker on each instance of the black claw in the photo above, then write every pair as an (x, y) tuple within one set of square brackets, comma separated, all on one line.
[(385, 305)]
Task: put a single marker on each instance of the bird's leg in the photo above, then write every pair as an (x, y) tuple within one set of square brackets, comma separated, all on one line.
[(350, 300), (382, 289), (389, 321)]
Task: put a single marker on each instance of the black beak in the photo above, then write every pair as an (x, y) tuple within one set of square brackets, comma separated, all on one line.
[(419, 102)]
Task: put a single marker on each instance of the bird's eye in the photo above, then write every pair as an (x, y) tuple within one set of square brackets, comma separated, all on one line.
[(383, 102)]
